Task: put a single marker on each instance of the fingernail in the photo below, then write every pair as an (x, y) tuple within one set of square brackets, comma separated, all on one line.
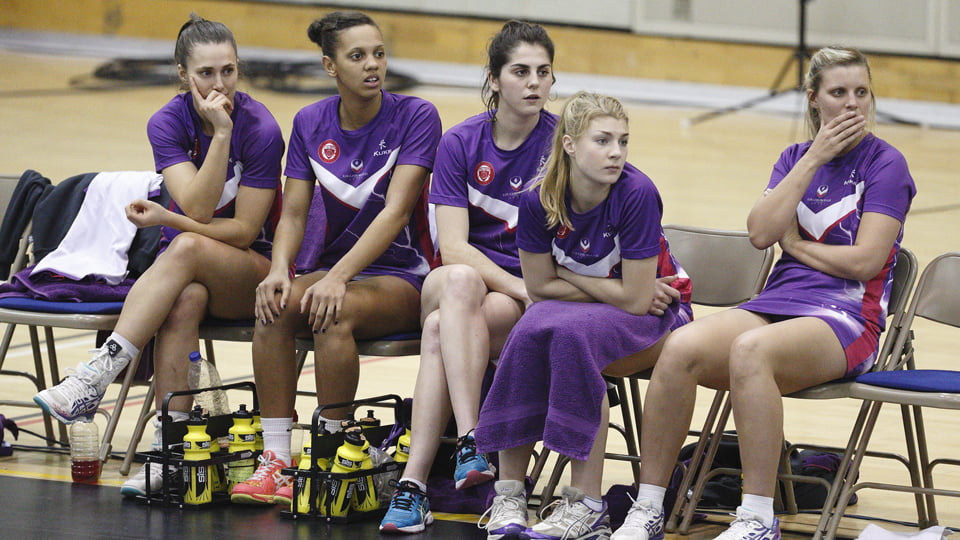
[(324, 331)]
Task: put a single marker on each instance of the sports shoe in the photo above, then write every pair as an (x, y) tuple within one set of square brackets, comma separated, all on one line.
[(571, 519), (508, 513), (472, 468), (643, 522), (748, 526), (284, 495), (137, 484), (409, 510), (79, 394), (262, 486)]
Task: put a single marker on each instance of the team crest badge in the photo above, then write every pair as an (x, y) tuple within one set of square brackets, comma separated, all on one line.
[(356, 165), (821, 191), (516, 183), (483, 173), (329, 151), (584, 245)]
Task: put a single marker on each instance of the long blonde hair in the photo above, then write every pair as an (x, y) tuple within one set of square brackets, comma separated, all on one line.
[(554, 179), (824, 59)]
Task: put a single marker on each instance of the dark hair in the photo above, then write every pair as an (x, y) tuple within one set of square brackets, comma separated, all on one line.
[(196, 31), (325, 30), (501, 45)]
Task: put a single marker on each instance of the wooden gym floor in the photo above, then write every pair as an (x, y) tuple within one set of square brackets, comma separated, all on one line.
[(709, 175)]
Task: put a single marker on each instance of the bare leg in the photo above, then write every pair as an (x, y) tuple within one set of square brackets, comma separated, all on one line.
[(693, 354), (175, 340), (365, 315), (223, 269), (464, 327), (588, 475), (766, 363), (514, 462)]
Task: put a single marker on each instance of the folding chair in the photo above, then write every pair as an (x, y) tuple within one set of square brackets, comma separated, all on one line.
[(936, 299), (905, 273), (725, 270), (8, 184)]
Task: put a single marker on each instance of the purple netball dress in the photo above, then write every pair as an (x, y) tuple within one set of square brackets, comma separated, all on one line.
[(473, 173), (548, 384), (256, 148), (354, 169), (873, 177)]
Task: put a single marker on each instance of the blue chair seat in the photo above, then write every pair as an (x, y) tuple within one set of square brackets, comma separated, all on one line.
[(917, 380)]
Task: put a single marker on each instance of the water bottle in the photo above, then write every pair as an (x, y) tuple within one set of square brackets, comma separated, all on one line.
[(84, 451), (337, 494), (203, 374), (243, 438), (196, 447), (365, 497), (303, 502), (258, 427), (369, 421), (402, 453)]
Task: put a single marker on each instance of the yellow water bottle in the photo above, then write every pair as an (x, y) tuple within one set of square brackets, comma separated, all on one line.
[(258, 427), (365, 497), (243, 438), (402, 453), (337, 494), (303, 501), (196, 447)]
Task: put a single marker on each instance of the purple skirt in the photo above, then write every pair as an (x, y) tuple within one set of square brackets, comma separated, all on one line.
[(548, 384)]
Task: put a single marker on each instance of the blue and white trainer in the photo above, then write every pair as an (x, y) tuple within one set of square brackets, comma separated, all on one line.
[(749, 526), (409, 510), (472, 468), (79, 394), (571, 519)]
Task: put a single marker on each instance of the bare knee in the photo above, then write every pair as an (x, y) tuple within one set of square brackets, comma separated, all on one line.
[(747, 359), (464, 286), (430, 336), (190, 307)]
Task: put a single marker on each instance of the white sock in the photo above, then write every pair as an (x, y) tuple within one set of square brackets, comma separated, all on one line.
[(419, 484), (762, 507), (653, 494), (593, 504), (333, 426), (126, 347), (276, 436)]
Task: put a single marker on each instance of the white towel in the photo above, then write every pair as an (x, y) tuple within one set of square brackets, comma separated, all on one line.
[(874, 532), (99, 238)]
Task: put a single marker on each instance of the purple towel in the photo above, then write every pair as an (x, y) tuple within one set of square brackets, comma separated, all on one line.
[(548, 384), (56, 288)]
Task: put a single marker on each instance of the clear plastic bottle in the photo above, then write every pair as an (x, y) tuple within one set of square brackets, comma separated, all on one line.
[(84, 451), (203, 374)]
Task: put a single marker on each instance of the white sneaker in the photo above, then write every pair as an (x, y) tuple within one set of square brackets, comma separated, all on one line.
[(79, 394), (643, 522), (137, 484), (508, 513), (749, 526), (571, 519)]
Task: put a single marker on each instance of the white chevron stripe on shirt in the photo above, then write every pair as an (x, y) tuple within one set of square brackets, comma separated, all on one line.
[(231, 187), (818, 223), (506, 213), (600, 268), (355, 196)]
